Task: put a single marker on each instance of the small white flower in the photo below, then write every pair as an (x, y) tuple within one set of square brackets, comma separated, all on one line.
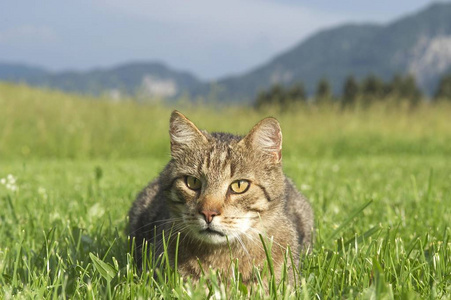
[(10, 183)]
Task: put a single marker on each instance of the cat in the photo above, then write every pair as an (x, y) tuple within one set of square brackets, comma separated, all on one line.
[(222, 193)]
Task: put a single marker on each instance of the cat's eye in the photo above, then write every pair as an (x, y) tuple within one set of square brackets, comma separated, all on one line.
[(193, 183), (239, 186)]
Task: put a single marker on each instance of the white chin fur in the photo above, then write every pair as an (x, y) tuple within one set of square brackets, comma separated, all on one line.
[(214, 239)]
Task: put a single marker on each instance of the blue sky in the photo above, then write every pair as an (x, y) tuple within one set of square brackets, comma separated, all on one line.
[(209, 38)]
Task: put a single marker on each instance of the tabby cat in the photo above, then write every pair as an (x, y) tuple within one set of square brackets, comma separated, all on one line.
[(222, 193)]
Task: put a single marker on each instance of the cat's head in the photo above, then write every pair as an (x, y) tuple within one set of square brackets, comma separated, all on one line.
[(222, 186)]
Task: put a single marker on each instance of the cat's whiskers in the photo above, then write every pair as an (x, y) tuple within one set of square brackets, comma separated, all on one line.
[(253, 240), (188, 222), (185, 236), (162, 223), (175, 227), (237, 233), (170, 219), (161, 228), (285, 248), (238, 238), (170, 235)]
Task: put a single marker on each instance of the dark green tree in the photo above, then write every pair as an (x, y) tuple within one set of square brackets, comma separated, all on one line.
[(444, 88), (373, 86), (297, 93), (395, 86), (410, 90), (404, 88), (281, 96), (276, 95), (350, 91), (323, 91), (262, 99)]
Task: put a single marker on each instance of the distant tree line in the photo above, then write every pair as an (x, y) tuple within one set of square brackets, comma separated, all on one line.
[(369, 90), (444, 88)]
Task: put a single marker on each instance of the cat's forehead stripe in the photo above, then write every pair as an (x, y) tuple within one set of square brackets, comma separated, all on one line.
[(223, 156), (224, 159), (216, 161)]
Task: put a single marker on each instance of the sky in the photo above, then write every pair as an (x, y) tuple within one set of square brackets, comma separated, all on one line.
[(208, 38)]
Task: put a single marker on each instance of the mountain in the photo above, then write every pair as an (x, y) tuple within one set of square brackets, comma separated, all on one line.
[(136, 79), (20, 72), (419, 44)]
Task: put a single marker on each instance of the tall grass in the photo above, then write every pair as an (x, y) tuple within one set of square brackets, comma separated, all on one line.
[(37, 123)]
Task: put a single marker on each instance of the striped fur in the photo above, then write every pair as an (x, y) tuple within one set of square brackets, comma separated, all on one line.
[(271, 207)]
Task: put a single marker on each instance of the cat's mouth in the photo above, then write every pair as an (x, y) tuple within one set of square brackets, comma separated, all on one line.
[(211, 231)]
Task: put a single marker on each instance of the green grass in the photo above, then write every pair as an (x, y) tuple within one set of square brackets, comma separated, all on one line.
[(379, 181)]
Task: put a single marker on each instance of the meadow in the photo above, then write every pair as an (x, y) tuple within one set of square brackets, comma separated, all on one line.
[(379, 180)]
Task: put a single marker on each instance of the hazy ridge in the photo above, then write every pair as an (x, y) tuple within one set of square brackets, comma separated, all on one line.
[(419, 44)]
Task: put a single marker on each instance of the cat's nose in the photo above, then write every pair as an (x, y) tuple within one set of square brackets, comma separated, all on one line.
[(209, 215)]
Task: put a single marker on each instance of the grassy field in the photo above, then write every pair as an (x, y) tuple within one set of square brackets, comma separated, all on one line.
[(379, 181)]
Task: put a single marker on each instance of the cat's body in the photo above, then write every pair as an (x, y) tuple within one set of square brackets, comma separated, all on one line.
[(222, 192)]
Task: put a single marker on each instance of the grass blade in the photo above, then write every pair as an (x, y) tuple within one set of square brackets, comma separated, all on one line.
[(106, 270), (348, 220)]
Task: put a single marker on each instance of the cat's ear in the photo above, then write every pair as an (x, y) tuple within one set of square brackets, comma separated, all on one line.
[(266, 136), (183, 133)]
